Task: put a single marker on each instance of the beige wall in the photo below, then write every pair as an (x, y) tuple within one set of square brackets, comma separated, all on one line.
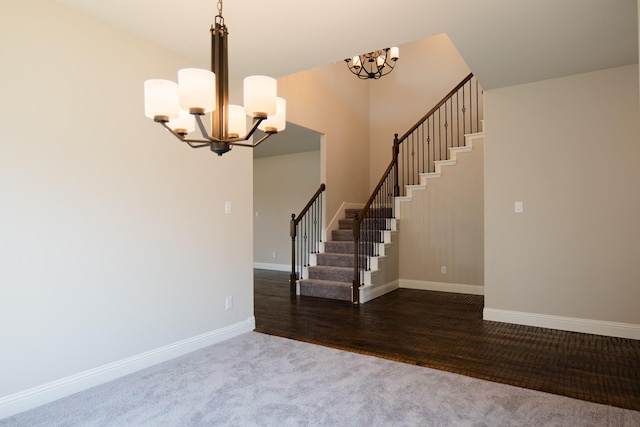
[(330, 100), (426, 71), (568, 148), (114, 240), (282, 185), (443, 226)]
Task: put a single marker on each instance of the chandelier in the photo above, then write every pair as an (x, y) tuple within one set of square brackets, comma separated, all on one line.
[(374, 65), (180, 106)]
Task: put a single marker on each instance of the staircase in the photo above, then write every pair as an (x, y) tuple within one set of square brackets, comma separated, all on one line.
[(349, 267), (332, 274)]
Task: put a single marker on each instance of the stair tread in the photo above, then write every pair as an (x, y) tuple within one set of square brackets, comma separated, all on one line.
[(348, 242), (319, 288), (330, 267), (334, 254), (336, 259), (322, 282)]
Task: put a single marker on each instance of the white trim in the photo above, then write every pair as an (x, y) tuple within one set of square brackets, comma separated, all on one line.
[(45, 393), (458, 288), (574, 324), (440, 163), (275, 267), (416, 187), (470, 137), (454, 151), (425, 176), (369, 292)]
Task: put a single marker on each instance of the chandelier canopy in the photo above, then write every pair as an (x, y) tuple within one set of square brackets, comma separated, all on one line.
[(374, 65), (180, 106)]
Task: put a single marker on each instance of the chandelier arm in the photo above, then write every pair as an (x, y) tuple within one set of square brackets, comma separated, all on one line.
[(388, 67), (254, 127), (203, 129), (191, 142), (232, 141), (267, 135), (200, 145)]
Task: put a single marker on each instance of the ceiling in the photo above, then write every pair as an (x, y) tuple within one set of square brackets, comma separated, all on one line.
[(294, 139), (504, 42)]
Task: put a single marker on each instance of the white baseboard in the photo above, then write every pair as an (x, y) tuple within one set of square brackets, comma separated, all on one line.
[(45, 393), (573, 324), (275, 267), (367, 293), (442, 287)]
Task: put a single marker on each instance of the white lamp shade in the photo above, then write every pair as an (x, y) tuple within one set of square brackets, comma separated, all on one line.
[(184, 124), (278, 121), (260, 96), (161, 99), (197, 89), (237, 121), (380, 60), (395, 53), (355, 62)]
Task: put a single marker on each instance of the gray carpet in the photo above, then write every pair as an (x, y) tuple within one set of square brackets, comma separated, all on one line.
[(261, 380)]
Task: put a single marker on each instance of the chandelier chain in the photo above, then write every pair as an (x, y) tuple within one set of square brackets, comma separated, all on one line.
[(219, 20)]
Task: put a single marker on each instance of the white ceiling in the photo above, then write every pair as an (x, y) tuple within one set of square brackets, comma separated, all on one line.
[(504, 42)]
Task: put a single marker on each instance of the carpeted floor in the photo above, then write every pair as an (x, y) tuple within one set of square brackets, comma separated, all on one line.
[(262, 380), (446, 331)]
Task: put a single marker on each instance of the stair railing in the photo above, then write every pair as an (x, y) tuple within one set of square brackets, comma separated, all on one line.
[(429, 140), (306, 236), (443, 127), (370, 224)]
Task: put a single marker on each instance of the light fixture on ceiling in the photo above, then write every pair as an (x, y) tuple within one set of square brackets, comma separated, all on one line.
[(180, 106), (374, 65)]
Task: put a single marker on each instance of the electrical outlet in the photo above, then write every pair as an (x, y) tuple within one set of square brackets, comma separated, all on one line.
[(443, 269), (274, 254), (228, 303)]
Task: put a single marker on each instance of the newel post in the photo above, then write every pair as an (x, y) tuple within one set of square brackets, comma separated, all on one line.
[(396, 152), (356, 260), (294, 277)]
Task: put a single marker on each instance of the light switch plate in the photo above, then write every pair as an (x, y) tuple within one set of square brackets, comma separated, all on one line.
[(519, 207)]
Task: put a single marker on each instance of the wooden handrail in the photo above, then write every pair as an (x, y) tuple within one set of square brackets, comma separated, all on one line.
[(293, 227), (311, 201), (438, 105), (367, 205)]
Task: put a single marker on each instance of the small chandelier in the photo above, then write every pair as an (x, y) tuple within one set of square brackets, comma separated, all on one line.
[(374, 65), (180, 106)]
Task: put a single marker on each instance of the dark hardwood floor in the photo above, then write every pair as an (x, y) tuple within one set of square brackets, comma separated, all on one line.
[(446, 331)]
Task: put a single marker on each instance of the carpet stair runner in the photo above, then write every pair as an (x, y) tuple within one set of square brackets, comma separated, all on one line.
[(332, 276)]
